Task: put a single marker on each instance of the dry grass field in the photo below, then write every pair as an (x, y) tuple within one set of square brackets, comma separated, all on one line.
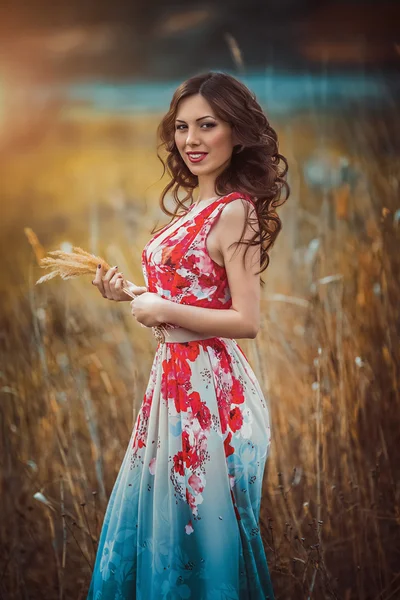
[(74, 366)]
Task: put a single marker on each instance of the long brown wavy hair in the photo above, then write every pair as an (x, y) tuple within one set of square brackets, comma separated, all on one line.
[(254, 168)]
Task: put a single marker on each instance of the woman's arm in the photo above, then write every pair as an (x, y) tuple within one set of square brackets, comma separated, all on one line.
[(243, 318), (213, 321)]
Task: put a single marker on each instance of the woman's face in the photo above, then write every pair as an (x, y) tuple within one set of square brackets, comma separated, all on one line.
[(198, 130)]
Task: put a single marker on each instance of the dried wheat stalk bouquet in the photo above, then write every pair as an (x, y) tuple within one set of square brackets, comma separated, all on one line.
[(69, 265)]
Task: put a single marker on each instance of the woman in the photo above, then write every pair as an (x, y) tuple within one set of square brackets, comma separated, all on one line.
[(183, 516)]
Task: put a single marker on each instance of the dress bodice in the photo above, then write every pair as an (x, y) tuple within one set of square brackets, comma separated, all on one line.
[(179, 267)]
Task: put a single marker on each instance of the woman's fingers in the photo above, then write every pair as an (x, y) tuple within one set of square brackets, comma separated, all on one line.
[(118, 282), (106, 282), (136, 289), (98, 280), (111, 284)]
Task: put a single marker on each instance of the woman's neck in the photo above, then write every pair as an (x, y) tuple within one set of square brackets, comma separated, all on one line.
[(205, 200)]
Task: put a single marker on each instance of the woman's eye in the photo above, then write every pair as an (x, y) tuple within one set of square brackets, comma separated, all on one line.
[(206, 124)]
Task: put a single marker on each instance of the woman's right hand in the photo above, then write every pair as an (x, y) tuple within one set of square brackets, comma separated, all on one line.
[(111, 283)]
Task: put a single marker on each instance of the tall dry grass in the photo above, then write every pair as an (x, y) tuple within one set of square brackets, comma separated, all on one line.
[(74, 370), (331, 365)]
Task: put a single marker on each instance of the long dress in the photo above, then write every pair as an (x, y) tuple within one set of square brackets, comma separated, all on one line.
[(183, 517)]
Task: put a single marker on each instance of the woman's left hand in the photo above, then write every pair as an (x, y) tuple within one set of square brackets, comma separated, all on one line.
[(147, 309)]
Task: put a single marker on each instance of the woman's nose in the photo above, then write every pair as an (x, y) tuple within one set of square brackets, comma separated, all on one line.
[(191, 137)]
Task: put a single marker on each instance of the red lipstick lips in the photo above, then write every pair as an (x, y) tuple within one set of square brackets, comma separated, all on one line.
[(195, 157)]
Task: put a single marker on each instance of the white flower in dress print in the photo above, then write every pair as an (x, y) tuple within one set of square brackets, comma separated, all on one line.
[(201, 258), (189, 528), (192, 426), (246, 429), (173, 415), (244, 460), (202, 292), (109, 560)]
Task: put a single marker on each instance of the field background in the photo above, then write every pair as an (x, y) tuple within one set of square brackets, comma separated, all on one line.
[(78, 166)]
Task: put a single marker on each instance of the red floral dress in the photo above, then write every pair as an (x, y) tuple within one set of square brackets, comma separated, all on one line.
[(183, 516)]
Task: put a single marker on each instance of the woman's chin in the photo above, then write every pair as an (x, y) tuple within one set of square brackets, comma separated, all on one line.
[(198, 169)]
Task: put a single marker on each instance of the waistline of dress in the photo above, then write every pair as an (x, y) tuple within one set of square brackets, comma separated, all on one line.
[(181, 334)]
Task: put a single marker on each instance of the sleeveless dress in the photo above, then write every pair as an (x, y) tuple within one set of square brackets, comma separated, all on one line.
[(183, 516)]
